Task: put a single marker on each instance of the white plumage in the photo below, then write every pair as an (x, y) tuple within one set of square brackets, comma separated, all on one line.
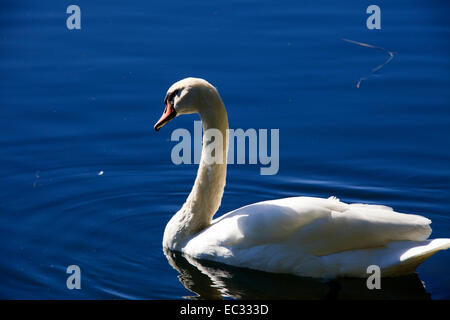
[(317, 238), (305, 236)]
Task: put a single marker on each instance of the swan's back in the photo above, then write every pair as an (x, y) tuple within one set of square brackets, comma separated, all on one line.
[(316, 237)]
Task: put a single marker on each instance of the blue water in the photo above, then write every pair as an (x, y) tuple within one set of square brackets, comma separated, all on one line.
[(85, 180)]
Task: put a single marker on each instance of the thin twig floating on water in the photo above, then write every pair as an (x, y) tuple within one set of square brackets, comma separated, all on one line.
[(390, 53)]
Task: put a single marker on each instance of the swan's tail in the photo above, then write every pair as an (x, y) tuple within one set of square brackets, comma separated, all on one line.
[(395, 259), (411, 258)]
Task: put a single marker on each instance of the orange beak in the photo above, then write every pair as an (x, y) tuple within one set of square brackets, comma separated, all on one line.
[(169, 114)]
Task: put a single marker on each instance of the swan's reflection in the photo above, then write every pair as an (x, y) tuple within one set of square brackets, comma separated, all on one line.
[(210, 280)]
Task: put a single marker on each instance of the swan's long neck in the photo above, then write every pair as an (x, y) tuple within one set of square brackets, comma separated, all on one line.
[(206, 194)]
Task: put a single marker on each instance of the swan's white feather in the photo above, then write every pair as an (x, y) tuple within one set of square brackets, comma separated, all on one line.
[(317, 237), (302, 235)]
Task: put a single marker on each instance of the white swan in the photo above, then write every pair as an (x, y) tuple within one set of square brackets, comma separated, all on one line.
[(305, 236)]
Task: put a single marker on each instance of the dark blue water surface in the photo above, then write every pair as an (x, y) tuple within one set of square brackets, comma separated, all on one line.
[(85, 180)]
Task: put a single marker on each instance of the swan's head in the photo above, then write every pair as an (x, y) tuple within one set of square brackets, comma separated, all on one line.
[(186, 96)]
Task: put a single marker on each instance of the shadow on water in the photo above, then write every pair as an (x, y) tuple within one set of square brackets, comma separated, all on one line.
[(211, 280)]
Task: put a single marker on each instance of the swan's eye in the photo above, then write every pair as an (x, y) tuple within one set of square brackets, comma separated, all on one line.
[(172, 96)]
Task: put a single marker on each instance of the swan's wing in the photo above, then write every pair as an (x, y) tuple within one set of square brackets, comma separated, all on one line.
[(312, 225), (358, 226)]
